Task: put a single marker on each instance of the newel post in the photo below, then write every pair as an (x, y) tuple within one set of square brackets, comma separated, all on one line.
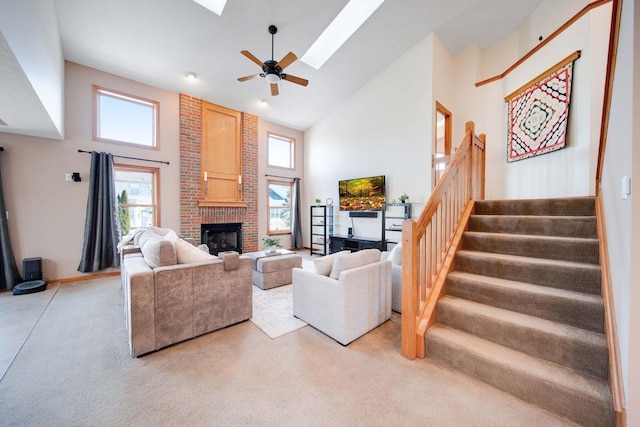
[(410, 291)]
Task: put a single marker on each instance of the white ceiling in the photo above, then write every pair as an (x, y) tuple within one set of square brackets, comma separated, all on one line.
[(157, 41)]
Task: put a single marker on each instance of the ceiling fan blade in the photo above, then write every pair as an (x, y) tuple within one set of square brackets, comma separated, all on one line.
[(288, 59), (251, 57), (274, 89), (294, 79), (245, 78)]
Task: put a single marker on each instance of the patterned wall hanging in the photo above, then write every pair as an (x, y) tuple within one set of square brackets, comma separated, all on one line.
[(539, 111)]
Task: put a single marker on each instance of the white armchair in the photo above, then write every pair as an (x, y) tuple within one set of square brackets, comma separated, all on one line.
[(395, 256), (348, 302)]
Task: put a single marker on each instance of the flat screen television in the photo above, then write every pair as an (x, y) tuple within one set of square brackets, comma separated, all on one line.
[(362, 194)]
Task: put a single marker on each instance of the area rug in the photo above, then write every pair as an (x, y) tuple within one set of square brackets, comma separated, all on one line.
[(273, 311)]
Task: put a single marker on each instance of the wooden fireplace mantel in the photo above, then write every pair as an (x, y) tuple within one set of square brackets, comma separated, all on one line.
[(222, 204)]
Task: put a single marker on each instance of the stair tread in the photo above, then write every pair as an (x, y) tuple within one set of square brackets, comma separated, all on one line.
[(595, 389), (531, 260), (526, 287), (526, 321), (550, 217), (532, 237)]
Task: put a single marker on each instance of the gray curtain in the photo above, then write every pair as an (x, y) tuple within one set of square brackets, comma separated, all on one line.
[(296, 224), (102, 225), (10, 276)]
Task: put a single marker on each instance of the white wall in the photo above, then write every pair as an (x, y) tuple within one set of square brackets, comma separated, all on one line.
[(47, 213), (566, 172), (264, 128), (386, 128), (622, 217), (38, 52)]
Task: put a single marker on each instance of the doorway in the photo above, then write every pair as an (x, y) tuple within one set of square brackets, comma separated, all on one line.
[(441, 152)]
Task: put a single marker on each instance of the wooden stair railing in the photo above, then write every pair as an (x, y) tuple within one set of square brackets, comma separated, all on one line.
[(428, 244)]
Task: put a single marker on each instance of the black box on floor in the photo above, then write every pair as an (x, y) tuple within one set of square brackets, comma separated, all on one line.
[(32, 268)]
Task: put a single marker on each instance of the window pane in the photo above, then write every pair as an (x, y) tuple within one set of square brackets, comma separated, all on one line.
[(140, 217), (280, 152), (139, 186), (280, 219), (126, 120), (279, 207), (135, 191)]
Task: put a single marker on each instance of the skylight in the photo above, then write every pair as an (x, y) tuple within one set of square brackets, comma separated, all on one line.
[(341, 28), (215, 6)]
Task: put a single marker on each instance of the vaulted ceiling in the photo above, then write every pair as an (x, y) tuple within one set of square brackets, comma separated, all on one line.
[(157, 42)]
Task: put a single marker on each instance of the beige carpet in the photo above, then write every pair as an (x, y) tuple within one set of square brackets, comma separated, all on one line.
[(74, 370), (273, 311)]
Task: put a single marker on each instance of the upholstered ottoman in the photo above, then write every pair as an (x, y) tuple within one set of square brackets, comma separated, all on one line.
[(274, 270)]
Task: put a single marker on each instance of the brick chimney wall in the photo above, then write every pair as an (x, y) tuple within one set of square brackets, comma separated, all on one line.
[(191, 215)]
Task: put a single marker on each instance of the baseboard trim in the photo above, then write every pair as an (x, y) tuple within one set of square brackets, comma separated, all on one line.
[(611, 328), (86, 277)]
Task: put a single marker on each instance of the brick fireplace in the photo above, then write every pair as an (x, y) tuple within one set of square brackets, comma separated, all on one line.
[(193, 216)]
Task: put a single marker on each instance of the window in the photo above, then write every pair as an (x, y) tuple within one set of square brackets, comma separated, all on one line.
[(124, 118), (136, 188), (279, 207), (281, 151)]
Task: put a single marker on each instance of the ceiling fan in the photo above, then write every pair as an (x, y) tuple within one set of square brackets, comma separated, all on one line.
[(272, 70)]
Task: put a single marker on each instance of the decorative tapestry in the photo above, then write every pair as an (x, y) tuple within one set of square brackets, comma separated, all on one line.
[(538, 115)]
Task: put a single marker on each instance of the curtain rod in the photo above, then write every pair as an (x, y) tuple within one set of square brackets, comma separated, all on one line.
[(285, 177), (126, 157)]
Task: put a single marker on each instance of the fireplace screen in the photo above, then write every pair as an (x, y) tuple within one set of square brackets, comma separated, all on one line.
[(222, 237)]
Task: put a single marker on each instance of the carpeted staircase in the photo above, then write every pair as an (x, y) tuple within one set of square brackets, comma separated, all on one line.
[(523, 310)]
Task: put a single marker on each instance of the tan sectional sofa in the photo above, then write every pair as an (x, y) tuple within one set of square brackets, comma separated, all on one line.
[(173, 291)]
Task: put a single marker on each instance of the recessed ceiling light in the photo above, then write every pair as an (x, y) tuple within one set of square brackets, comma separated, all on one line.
[(264, 103), (341, 28), (191, 75), (215, 6)]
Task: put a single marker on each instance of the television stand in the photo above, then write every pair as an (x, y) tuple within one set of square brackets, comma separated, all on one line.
[(354, 244)]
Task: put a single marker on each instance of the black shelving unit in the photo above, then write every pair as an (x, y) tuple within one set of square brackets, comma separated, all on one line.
[(393, 214), (321, 229)]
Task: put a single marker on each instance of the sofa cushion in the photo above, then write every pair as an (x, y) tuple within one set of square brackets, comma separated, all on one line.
[(356, 259), (158, 252), (325, 264), (187, 253)]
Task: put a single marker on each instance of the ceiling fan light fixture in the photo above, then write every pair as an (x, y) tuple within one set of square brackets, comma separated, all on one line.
[(272, 78)]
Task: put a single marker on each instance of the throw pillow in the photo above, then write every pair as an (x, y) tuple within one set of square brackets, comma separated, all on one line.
[(138, 236), (187, 253), (158, 253), (160, 231), (324, 265), (356, 259), (147, 236), (171, 236)]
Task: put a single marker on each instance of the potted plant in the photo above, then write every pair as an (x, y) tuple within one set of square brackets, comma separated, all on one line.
[(271, 243), (404, 197), (317, 201)]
